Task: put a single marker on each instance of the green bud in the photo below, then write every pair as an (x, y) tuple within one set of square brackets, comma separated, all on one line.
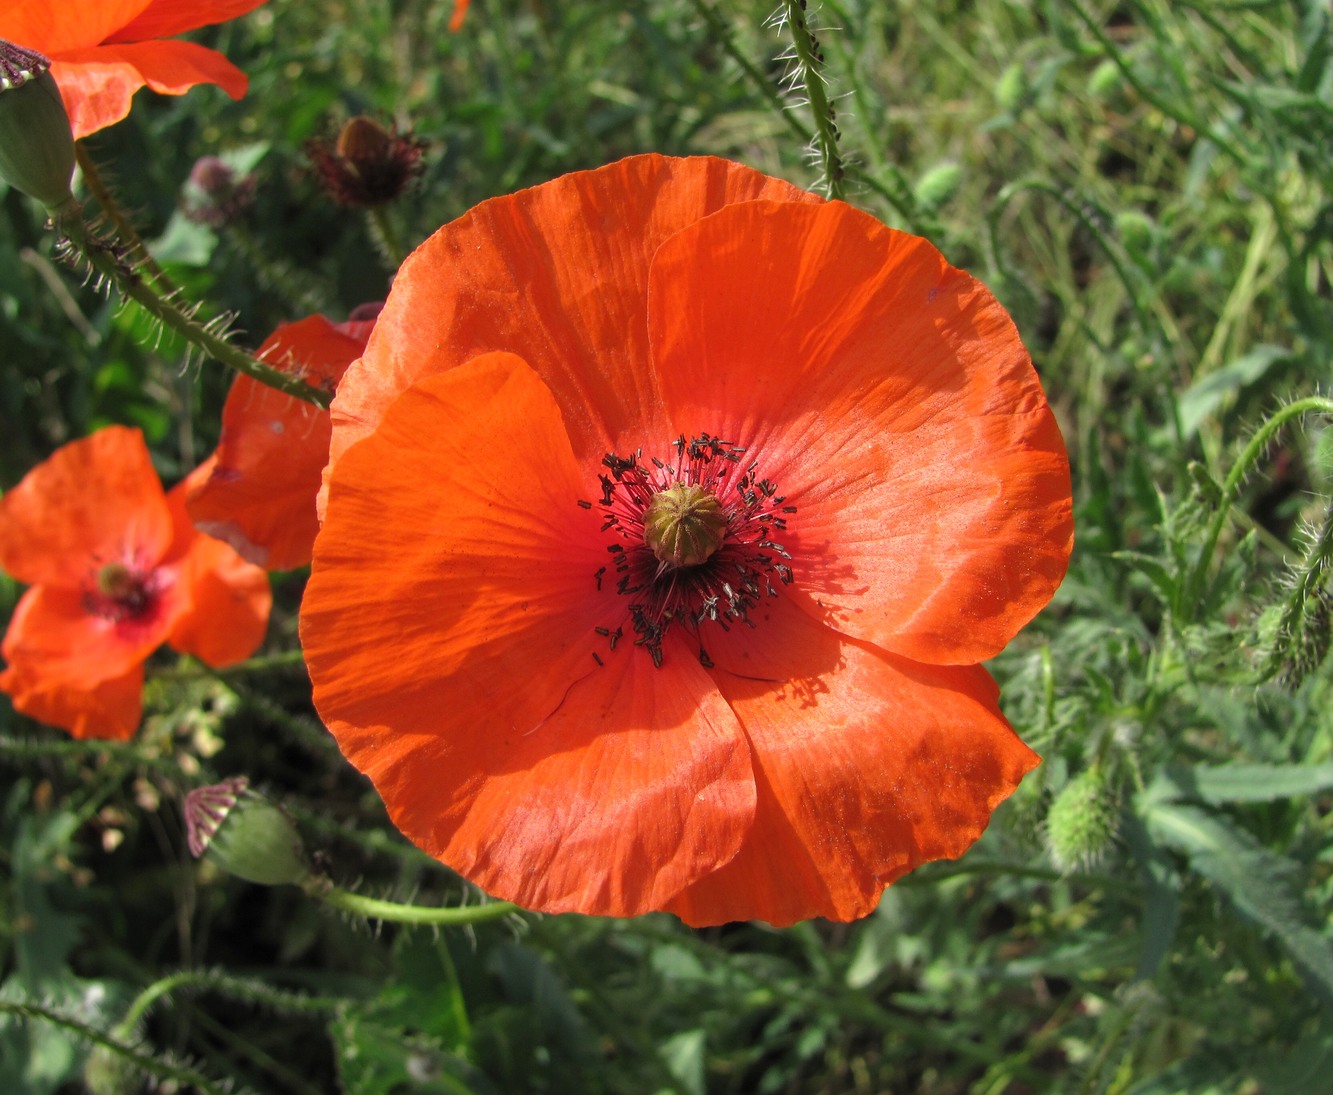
[(36, 142), (1081, 823), (245, 834), (684, 525), (938, 185)]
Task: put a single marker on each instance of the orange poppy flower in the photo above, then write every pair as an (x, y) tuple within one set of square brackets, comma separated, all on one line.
[(459, 13), (116, 570), (670, 510), (257, 491), (103, 51)]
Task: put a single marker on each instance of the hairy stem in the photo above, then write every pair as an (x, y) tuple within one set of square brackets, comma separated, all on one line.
[(809, 59), (107, 259), (374, 909)]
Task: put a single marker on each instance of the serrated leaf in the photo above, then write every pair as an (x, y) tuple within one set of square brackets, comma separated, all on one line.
[(1260, 885), (1245, 782)]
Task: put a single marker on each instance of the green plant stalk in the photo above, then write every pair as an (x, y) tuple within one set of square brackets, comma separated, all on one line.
[(106, 260), (808, 60), (120, 223), (1192, 587), (374, 909), (384, 236)]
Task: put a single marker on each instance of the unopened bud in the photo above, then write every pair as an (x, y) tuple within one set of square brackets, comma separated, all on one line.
[(367, 165), (245, 834), (1082, 821), (36, 142)]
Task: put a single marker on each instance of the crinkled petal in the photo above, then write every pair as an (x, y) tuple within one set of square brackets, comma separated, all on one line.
[(558, 275), (866, 767), (52, 26), (260, 496), (108, 710), (167, 18), (98, 83), (888, 397), (225, 600), (94, 501), (450, 630)]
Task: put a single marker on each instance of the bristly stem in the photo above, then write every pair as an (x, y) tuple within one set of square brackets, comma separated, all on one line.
[(1192, 587), (809, 59), (107, 259), (374, 909), (120, 223)]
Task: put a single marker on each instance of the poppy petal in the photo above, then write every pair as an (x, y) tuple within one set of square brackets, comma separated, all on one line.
[(167, 18), (557, 275), (225, 600), (109, 710), (98, 82), (866, 768), (260, 496), (59, 639), (505, 743), (94, 501), (51, 28), (889, 397)]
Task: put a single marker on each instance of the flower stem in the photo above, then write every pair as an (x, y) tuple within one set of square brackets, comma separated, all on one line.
[(120, 223), (384, 236), (374, 909), (107, 259), (809, 57), (1192, 587)]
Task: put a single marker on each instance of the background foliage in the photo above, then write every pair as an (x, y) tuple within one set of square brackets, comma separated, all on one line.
[(1147, 187)]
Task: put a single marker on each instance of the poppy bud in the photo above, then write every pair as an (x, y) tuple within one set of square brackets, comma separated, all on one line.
[(367, 165), (36, 142), (1082, 821), (216, 194), (684, 525), (245, 834)]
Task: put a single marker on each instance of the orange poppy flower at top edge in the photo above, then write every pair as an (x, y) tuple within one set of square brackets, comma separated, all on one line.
[(669, 514), (257, 491), (115, 569), (459, 14), (103, 51)]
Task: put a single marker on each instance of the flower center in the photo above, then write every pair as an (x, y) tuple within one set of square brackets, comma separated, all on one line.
[(119, 593), (693, 540)]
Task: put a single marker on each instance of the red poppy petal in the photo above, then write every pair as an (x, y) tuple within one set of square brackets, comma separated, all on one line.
[(94, 501), (866, 768), (637, 784), (225, 600), (109, 710), (459, 14), (166, 18), (889, 398), (260, 495), (453, 540), (98, 83), (557, 275), (70, 24), (449, 630), (56, 637)]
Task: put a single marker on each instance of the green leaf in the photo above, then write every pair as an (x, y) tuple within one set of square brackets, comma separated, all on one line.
[(1260, 885), (1244, 782), (1203, 398)]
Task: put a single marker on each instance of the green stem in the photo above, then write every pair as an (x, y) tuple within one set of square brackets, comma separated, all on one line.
[(384, 236), (1192, 588), (107, 260), (374, 909), (808, 59), (124, 230)]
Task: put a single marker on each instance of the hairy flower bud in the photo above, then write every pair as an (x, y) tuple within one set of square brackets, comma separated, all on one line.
[(36, 142), (1082, 821), (245, 834), (367, 165)]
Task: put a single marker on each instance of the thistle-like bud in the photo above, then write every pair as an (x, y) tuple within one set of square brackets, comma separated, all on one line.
[(216, 194), (1082, 821), (36, 142), (245, 834), (684, 525)]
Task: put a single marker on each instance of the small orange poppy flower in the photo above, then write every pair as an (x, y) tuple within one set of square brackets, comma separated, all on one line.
[(459, 14), (257, 491), (116, 570), (670, 512), (103, 51)]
